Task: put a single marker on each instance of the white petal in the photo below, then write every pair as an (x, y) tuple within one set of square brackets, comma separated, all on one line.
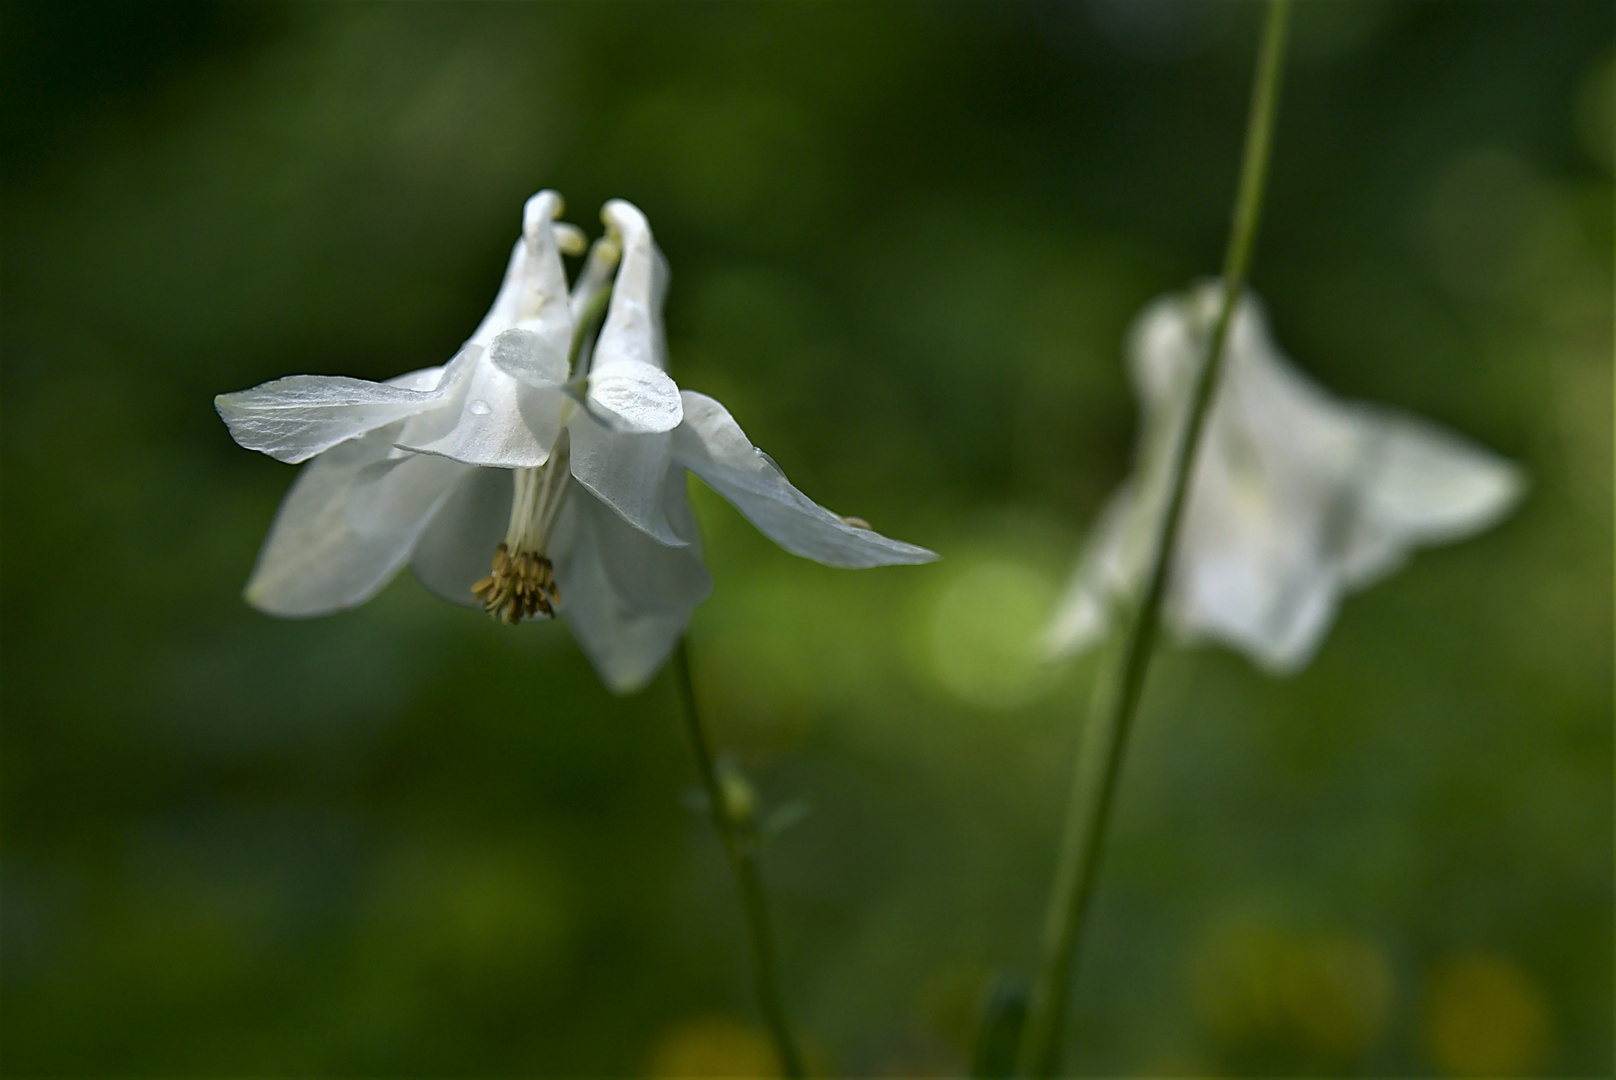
[(1255, 564), (295, 418), (534, 292), (543, 303), (1434, 486), (649, 576), (626, 642), (502, 313), (399, 493), (631, 397), (712, 445), (313, 562), (423, 379), (626, 472), (530, 357), (1164, 350), (457, 548), (1277, 614), (1168, 341), (633, 327), (489, 418)]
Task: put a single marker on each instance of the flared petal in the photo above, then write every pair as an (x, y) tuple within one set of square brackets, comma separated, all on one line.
[(633, 398), (1258, 564), (628, 473), (457, 548), (626, 598), (712, 445), (295, 418), (633, 327), (1434, 486), (650, 576), (314, 562), (1255, 570), (489, 418), (399, 493), (1104, 575), (1277, 618)]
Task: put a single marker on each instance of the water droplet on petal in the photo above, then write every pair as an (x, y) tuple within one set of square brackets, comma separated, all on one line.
[(479, 408)]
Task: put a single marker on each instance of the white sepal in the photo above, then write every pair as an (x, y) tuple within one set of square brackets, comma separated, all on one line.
[(712, 445), (295, 418)]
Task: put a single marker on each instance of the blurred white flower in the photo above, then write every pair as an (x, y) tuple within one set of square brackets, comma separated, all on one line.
[(508, 479), (1297, 497)]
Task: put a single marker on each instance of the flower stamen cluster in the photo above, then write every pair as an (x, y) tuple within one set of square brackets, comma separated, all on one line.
[(522, 586)]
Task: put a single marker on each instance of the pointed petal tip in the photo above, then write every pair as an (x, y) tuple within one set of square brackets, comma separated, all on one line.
[(1509, 485), (911, 555), (260, 598), (629, 685), (1282, 667), (1514, 482)]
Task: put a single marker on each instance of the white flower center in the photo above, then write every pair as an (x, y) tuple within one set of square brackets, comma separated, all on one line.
[(522, 585)]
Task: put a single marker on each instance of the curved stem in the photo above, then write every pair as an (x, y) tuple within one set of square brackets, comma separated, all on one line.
[(1117, 694), (740, 849)]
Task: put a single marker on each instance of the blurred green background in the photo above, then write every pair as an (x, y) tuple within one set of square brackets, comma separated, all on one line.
[(906, 242)]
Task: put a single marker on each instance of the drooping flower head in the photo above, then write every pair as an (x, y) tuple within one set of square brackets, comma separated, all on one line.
[(1297, 497), (540, 472)]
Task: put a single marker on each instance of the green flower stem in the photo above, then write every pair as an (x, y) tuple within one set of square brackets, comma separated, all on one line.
[(1116, 699), (740, 848)]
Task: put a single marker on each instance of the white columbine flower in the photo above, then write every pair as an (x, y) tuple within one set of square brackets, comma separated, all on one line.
[(1297, 497), (540, 472)]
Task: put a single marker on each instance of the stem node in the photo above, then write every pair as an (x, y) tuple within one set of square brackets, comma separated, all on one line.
[(740, 850)]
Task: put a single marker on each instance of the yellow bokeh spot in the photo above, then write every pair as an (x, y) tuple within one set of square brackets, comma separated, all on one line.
[(1258, 986), (711, 1046), (1484, 1016), (983, 634)]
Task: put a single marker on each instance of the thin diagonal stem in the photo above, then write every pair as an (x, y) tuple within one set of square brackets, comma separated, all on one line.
[(1117, 695), (740, 849)]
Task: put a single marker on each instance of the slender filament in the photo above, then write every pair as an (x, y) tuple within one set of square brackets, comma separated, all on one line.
[(522, 584)]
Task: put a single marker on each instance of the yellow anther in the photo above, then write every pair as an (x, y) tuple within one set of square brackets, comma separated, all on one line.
[(522, 586)]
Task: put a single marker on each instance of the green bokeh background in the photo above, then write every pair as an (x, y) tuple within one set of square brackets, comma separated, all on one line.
[(906, 242)]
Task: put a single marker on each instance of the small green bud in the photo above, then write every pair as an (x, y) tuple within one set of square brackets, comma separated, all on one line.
[(740, 797)]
